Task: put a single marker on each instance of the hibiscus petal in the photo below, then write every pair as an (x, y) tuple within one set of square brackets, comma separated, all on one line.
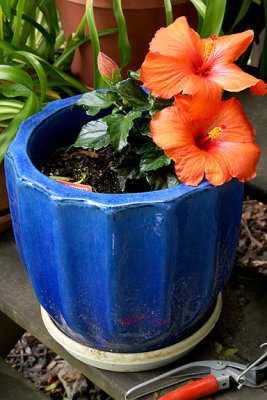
[(260, 89), (177, 40), (191, 163), (237, 127), (164, 76), (230, 47), (240, 159), (171, 129), (231, 78), (206, 96)]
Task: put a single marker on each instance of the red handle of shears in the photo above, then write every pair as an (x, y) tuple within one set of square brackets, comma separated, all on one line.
[(194, 390)]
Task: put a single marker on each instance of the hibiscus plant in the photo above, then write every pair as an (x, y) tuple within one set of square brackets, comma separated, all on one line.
[(177, 128)]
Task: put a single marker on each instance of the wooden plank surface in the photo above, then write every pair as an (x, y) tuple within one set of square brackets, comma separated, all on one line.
[(242, 325)]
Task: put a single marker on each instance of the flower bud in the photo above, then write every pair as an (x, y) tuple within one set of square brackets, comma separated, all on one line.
[(106, 65)]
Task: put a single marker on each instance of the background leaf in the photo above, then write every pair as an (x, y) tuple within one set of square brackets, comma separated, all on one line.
[(124, 44), (213, 18)]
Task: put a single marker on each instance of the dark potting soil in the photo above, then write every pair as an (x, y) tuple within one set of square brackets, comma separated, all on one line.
[(93, 168)]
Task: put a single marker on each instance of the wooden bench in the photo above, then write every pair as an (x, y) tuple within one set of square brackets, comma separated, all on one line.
[(242, 325)]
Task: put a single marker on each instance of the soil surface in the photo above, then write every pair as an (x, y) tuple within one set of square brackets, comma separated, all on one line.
[(59, 381), (93, 168)]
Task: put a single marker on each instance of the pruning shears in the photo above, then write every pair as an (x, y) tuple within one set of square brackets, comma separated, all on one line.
[(214, 376)]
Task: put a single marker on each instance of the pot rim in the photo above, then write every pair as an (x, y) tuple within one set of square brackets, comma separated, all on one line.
[(17, 154), (130, 4)]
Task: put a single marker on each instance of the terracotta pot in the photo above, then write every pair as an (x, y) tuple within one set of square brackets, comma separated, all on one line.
[(143, 18), (5, 218)]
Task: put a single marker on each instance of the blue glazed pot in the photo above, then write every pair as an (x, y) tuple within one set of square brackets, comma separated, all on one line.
[(122, 273)]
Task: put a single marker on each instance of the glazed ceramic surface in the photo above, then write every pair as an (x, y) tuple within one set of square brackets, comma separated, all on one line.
[(123, 273)]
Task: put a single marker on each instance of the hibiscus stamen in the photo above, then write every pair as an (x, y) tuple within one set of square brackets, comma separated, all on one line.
[(210, 47), (213, 134), (208, 53)]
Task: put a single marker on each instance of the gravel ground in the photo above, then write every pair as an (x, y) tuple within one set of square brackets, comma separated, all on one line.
[(59, 380)]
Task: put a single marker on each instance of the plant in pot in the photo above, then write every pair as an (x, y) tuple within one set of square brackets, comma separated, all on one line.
[(30, 40), (129, 281)]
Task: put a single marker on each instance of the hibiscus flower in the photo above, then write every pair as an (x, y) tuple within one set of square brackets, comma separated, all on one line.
[(217, 149), (180, 61)]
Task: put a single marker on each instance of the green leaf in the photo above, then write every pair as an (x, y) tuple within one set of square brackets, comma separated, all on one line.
[(161, 179), (124, 44), (241, 14), (16, 90), (129, 166), (230, 352), (94, 101), (53, 386), (98, 81), (168, 10), (263, 62), (6, 7), (142, 127), (172, 180), (13, 74), (200, 7), (93, 135), (33, 62), (153, 160), (69, 51), (214, 18), (16, 36), (134, 94), (119, 126), (31, 107), (159, 104), (134, 74)]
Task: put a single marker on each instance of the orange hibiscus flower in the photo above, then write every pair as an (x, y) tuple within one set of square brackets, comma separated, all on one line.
[(180, 61), (217, 149)]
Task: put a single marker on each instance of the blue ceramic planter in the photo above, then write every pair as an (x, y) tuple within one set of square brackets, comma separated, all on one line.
[(122, 273)]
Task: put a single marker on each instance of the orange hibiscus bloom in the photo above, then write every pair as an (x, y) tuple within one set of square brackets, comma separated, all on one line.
[(180, 61), (217, 149)]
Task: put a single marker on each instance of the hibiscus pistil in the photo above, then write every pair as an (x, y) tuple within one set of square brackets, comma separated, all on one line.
[(213, 134), (208, 53)]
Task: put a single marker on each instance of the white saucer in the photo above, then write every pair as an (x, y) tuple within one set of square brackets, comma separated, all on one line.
[(130, 362)]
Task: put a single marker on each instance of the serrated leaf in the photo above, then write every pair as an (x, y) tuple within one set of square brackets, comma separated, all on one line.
[(129, 166), (159, 104), (93, 135), (157, 181), (172, 180), (143, 127), (135, 95), (119, 126), (153, 160), (94, 101), (146, 147)]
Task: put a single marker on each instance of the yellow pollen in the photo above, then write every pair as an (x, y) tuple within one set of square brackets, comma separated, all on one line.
[(210, 48), (214, 133)]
